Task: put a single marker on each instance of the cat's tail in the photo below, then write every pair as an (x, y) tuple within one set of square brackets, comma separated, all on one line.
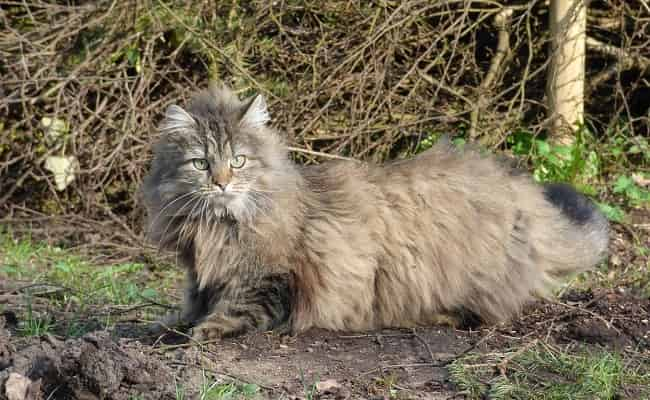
[(583, 241)]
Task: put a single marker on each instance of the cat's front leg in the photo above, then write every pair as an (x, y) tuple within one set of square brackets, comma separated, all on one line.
[(253, 305), (196, 305)]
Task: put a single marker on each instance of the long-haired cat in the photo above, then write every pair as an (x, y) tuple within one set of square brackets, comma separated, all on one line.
[(269, 244)]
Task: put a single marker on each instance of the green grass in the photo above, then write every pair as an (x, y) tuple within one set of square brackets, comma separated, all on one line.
[(228, 391), (546, 373), (213, 389), (309, 389), (66, 281), (34, 325)]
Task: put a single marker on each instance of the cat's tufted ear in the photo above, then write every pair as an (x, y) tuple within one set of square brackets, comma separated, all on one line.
[(256, 113), (176, 118)]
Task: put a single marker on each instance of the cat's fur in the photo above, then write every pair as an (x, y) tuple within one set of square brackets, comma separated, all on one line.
[(352, 246)]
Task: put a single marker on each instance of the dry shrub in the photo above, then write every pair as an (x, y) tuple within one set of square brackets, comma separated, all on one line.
[(357, 79)]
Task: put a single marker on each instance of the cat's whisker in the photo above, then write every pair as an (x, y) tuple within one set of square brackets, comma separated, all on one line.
[(183, 232), (169, 222), (165, 231), (266, 190), (163, 236), (204, 212), (169, 204)]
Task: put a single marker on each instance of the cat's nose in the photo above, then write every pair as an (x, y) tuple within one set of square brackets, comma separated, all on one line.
[(222, 178)]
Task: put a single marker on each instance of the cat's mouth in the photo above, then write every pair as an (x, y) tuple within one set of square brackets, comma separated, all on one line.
[(221, 205)]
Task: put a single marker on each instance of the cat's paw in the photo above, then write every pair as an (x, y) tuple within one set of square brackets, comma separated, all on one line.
[(218, 326), (167, 323), (206, 333)]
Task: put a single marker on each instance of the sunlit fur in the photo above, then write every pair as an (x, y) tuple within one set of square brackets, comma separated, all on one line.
[(445, 233)]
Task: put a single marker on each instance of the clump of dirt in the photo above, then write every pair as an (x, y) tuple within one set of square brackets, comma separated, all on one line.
[(94, 366)]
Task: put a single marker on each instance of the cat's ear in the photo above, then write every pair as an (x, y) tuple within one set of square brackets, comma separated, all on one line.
[(256, 113), (177, 118)]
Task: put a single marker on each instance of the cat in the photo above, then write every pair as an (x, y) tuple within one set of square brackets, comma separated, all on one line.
[(448, 236)]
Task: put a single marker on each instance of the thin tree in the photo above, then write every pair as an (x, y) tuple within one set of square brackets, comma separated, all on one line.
[(566, 79)]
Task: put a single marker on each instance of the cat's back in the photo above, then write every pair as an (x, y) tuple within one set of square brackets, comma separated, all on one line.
[(446, 166), (438, 178)]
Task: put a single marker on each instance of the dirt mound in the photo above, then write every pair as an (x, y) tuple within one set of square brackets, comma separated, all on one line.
[(92, 367)]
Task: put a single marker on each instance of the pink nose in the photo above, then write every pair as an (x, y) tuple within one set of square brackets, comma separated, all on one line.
[(222, 178)]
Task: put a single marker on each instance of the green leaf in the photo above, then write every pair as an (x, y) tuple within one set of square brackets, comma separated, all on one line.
[(612, 212), (63, 266), (249, 389), (459, 142), (521, 142), (149, 293), (543, 148), (565, 151), (623, 183)]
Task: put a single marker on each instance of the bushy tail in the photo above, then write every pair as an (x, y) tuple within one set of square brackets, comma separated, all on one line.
[(589, 233)]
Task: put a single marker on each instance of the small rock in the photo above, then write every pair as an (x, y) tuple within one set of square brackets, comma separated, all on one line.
[(332, 387), (19, 387)]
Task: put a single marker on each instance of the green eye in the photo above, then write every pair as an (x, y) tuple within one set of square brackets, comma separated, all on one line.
[(200, 163), (238, 161)]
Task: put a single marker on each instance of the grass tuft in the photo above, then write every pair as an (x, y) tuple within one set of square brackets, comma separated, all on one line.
[(544, 372), (212, 389)]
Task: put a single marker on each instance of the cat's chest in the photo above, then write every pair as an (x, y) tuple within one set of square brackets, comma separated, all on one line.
[(222, 253), (217, 254)]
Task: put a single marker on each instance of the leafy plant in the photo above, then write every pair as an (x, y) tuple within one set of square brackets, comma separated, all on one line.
[(577, 163), (75, 284), (586, 163), (636, 195)]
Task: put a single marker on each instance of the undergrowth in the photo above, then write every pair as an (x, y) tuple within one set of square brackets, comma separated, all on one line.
[(611, 168)]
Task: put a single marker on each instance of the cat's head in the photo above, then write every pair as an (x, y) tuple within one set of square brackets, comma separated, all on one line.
[(216, 159)]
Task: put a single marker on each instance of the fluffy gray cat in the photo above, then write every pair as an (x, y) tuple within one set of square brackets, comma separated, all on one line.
[(447, 236)]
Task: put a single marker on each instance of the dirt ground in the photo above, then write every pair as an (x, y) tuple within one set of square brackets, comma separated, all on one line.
[(103, 365), (121, 363)]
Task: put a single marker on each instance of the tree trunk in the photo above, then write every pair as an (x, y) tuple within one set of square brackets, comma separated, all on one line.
[(566, 79)]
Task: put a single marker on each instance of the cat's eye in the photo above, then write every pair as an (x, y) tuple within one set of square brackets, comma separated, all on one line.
[(238, 161), (200, 163)]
